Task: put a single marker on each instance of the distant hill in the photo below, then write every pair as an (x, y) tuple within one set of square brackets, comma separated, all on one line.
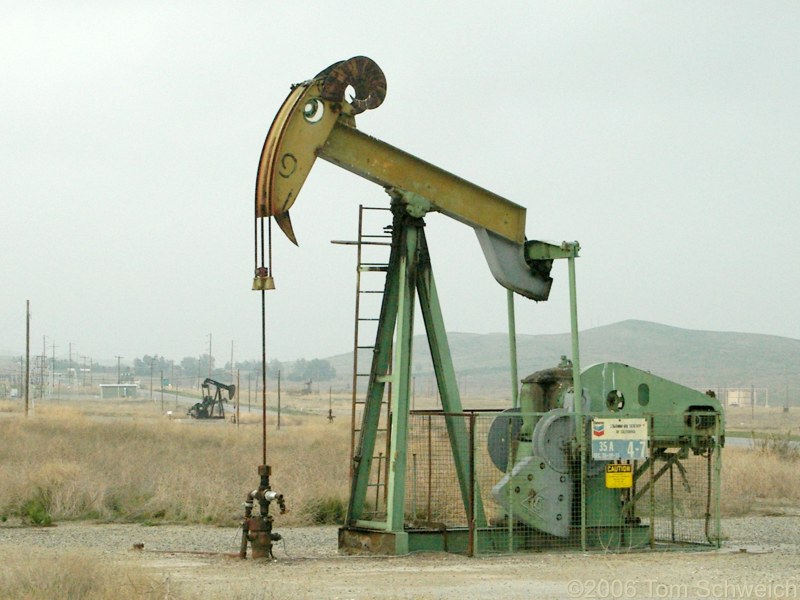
[(698, 359)]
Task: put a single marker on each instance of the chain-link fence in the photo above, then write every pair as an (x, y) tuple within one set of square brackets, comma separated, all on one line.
[(527, 483)]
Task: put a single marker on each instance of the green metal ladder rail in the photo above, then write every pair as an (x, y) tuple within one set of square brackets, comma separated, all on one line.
[(380, 461)]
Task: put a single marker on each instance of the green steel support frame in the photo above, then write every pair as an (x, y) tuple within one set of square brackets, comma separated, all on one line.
[(409, 274)]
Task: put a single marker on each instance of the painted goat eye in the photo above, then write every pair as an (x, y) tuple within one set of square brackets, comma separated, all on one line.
[(313, 110)]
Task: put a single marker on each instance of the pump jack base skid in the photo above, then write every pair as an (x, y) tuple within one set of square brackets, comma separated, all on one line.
[(358, 540), (493, 540)]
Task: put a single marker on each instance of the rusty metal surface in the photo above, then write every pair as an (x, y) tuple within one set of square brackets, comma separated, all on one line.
[(289, 153), (259, 534), (370, 541), (451, 195), (301, 127), (316, 119), (360, 72)]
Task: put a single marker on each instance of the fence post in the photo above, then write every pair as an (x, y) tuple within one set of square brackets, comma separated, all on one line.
[(472, 479), (430, 469), (509, 466), (582, 449), (652, 484), (717, 480)]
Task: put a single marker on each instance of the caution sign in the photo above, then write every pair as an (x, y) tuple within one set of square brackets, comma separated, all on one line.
[(619, 476)]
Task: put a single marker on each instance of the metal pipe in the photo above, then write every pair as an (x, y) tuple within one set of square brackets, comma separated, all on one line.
[(258, 530), (414, 486), (717, 478), (512, 343), (27, 352), (672, 503), (573, 314), (263, 378), (577, 387), (430, 467), (248, 511), (472, 486), (652, 484)]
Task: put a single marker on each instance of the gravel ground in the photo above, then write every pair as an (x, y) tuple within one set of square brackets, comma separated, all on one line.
[(760, 559)]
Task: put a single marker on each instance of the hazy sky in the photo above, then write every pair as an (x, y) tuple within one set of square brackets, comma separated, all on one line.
[(664, 136)]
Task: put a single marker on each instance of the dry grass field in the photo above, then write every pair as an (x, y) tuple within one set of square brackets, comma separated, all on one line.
[(126, 462), (77, 574)]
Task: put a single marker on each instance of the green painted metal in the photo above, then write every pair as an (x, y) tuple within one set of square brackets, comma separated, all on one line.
[(538, 250), (669, 411), (577, 386), (367, 524), (362, 457), (409, 274), (719, 435), (682, 422), (652, 486), (401, 372), (445, 377), (512, 347), (453, 540), (601, 505)]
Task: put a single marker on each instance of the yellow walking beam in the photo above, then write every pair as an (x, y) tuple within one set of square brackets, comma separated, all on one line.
[(316, 120), (448, 194)]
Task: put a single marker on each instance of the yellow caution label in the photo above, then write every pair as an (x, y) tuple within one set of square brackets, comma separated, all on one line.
[(619, 476)]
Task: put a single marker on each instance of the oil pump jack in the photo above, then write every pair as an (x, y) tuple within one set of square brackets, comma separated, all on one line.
[(317, 120), (213, 403)]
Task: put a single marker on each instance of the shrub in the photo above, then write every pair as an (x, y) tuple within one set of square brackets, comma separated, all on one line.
[(36, 512), (327, 510), (779, 446)]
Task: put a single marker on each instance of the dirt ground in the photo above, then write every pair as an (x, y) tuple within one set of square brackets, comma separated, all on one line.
[(760, 559)]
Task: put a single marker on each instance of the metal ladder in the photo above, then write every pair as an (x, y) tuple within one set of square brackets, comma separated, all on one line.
[(370, 283)]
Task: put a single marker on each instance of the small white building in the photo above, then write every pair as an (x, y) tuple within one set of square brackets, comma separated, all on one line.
[(119, 390)]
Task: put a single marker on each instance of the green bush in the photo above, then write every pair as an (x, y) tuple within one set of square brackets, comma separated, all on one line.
[(36, 512), (327, 510)]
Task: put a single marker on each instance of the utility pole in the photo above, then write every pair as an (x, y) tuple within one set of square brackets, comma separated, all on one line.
[(53, 372), (173, 383), (279, 398), (152, 362), (43, 368), (83, 370), (209, 355), (27, 352), (233, 370), (162, 390), (119, 377)]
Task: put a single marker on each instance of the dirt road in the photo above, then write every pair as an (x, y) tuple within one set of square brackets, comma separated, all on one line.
[(760, 559)]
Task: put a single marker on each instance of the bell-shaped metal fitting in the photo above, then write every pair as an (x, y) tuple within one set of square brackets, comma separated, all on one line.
[(263, 281)]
